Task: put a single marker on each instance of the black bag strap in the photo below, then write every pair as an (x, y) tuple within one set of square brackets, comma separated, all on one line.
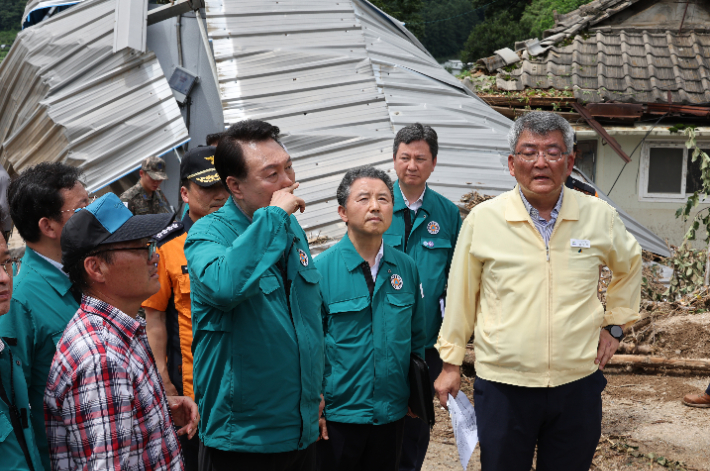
[(15, 418), (407, 227), (368, 277)]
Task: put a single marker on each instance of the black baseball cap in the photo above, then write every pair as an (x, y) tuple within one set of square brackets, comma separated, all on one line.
[(106, 221), (197, 165)]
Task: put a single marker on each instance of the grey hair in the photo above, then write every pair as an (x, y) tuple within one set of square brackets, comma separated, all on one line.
[(357, 173), (417, 132), (541, 123)]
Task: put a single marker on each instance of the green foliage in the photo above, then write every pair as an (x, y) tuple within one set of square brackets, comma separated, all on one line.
[(702, 216), (443, 39), (688, 271), (408, 12), (538, 16), (11, 12)]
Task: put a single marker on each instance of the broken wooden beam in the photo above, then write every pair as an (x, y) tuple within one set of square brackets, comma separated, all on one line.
[(695, 364)]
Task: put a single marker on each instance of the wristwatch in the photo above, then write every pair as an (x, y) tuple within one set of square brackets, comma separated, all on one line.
[(616, 331)]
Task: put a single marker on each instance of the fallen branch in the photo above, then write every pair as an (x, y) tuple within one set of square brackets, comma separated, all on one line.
[(696, 364)]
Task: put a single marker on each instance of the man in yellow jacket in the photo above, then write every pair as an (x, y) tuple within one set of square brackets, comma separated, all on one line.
[(524, 280)]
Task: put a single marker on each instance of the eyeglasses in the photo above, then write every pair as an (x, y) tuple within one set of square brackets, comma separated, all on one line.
[(91, 200), (550, 155), (151, 247), (12, 266)]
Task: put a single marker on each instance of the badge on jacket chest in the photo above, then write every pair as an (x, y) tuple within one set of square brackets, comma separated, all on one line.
[(396, 281), (433, 227), (303, 257)]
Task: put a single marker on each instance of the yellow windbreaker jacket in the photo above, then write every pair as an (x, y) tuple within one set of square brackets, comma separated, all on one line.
[(534, 309)]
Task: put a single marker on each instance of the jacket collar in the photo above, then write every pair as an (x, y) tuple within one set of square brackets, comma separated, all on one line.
[(353, 260), (515, 208), (54, 278), (187, 222), (399, 203), (235, 216)]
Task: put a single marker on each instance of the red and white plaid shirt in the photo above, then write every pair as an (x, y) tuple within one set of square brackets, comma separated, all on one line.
[(105, 406)]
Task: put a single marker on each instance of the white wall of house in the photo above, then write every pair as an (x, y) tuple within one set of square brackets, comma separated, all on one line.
[(654, 210)]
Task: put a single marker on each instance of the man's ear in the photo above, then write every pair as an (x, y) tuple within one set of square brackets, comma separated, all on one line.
[(570, 163), (234, 187), (95, 269), (343, 213), (511, 165), (50, 228), (184, 195)]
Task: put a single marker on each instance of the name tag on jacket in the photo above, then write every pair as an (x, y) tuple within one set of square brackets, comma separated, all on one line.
[(581, 243)]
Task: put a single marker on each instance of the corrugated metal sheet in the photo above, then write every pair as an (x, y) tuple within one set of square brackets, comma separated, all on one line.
[(340, 78), (65, 96)]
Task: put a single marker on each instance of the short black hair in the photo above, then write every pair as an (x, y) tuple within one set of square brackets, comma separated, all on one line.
[(417, 132), (357, 173), (229, 156), (77, 273), (35, 194), (213, 139)]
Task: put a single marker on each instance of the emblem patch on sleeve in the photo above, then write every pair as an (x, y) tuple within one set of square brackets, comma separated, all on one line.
[(303, 257), (396, 281)]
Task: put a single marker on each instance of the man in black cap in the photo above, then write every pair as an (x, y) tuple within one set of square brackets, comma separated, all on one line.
[(104, 403), (146, 197), (168, 312)]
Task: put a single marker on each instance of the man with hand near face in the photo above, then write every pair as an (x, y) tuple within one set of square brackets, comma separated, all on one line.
[(105, 406), (524, 279), (374, 321), (167, 312), (256, 313), (425, 226)]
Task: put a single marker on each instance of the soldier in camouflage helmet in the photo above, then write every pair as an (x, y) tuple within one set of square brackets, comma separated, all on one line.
[(145, 197)]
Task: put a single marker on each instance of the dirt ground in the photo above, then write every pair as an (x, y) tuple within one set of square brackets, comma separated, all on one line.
[(644, 427)]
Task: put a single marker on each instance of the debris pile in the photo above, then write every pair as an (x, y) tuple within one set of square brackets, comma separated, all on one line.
[(470, 200)]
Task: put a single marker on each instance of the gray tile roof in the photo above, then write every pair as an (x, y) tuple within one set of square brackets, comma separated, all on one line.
[(624, 66), (610, 63)]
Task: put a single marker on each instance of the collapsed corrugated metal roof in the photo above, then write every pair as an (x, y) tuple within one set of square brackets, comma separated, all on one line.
[(340, 78), (65, 96)]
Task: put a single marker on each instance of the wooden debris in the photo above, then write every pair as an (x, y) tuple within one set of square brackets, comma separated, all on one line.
[(472, 199), (695, 364)]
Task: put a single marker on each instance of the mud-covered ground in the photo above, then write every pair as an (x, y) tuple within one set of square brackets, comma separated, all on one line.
[(644, 427)]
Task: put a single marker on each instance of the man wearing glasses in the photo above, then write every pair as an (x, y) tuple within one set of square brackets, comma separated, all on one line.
[(524, 280), (18, 446), (105, 405), (42, 199)]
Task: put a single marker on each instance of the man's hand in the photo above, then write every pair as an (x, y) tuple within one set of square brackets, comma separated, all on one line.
[(321, 421), (448, 382), (185, 414), (411, 414), (286, 200), (170, 389), (607, 348)]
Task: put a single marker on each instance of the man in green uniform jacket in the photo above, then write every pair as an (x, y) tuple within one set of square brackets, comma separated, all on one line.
[(42, 199), (18, 448), (425, 226), (256, 313), (374, 321)]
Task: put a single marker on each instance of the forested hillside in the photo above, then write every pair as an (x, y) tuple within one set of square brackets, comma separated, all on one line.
[(471, 29)]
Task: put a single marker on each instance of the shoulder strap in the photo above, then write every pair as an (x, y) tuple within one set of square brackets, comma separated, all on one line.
[(16, 423)]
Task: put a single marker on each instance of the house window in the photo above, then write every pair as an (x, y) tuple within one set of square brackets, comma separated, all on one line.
[(668, 172), (586, 159)]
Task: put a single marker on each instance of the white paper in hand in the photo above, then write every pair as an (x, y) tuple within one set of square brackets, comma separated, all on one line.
[(463, 420)]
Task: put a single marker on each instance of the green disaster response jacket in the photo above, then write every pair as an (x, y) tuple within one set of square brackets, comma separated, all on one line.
[(42, 306), (12, 457), (258, 368), (431, 244), (369, 341)]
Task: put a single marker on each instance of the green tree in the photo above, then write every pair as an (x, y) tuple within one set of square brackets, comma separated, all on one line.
[(408, 12), (500, 28), (448, 24), (538, 16), (11, 12)]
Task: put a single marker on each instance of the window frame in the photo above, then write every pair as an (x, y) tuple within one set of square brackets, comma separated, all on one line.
[(645, 163)]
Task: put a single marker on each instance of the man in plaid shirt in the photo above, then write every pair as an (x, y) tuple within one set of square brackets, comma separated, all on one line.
[(105, 406)]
